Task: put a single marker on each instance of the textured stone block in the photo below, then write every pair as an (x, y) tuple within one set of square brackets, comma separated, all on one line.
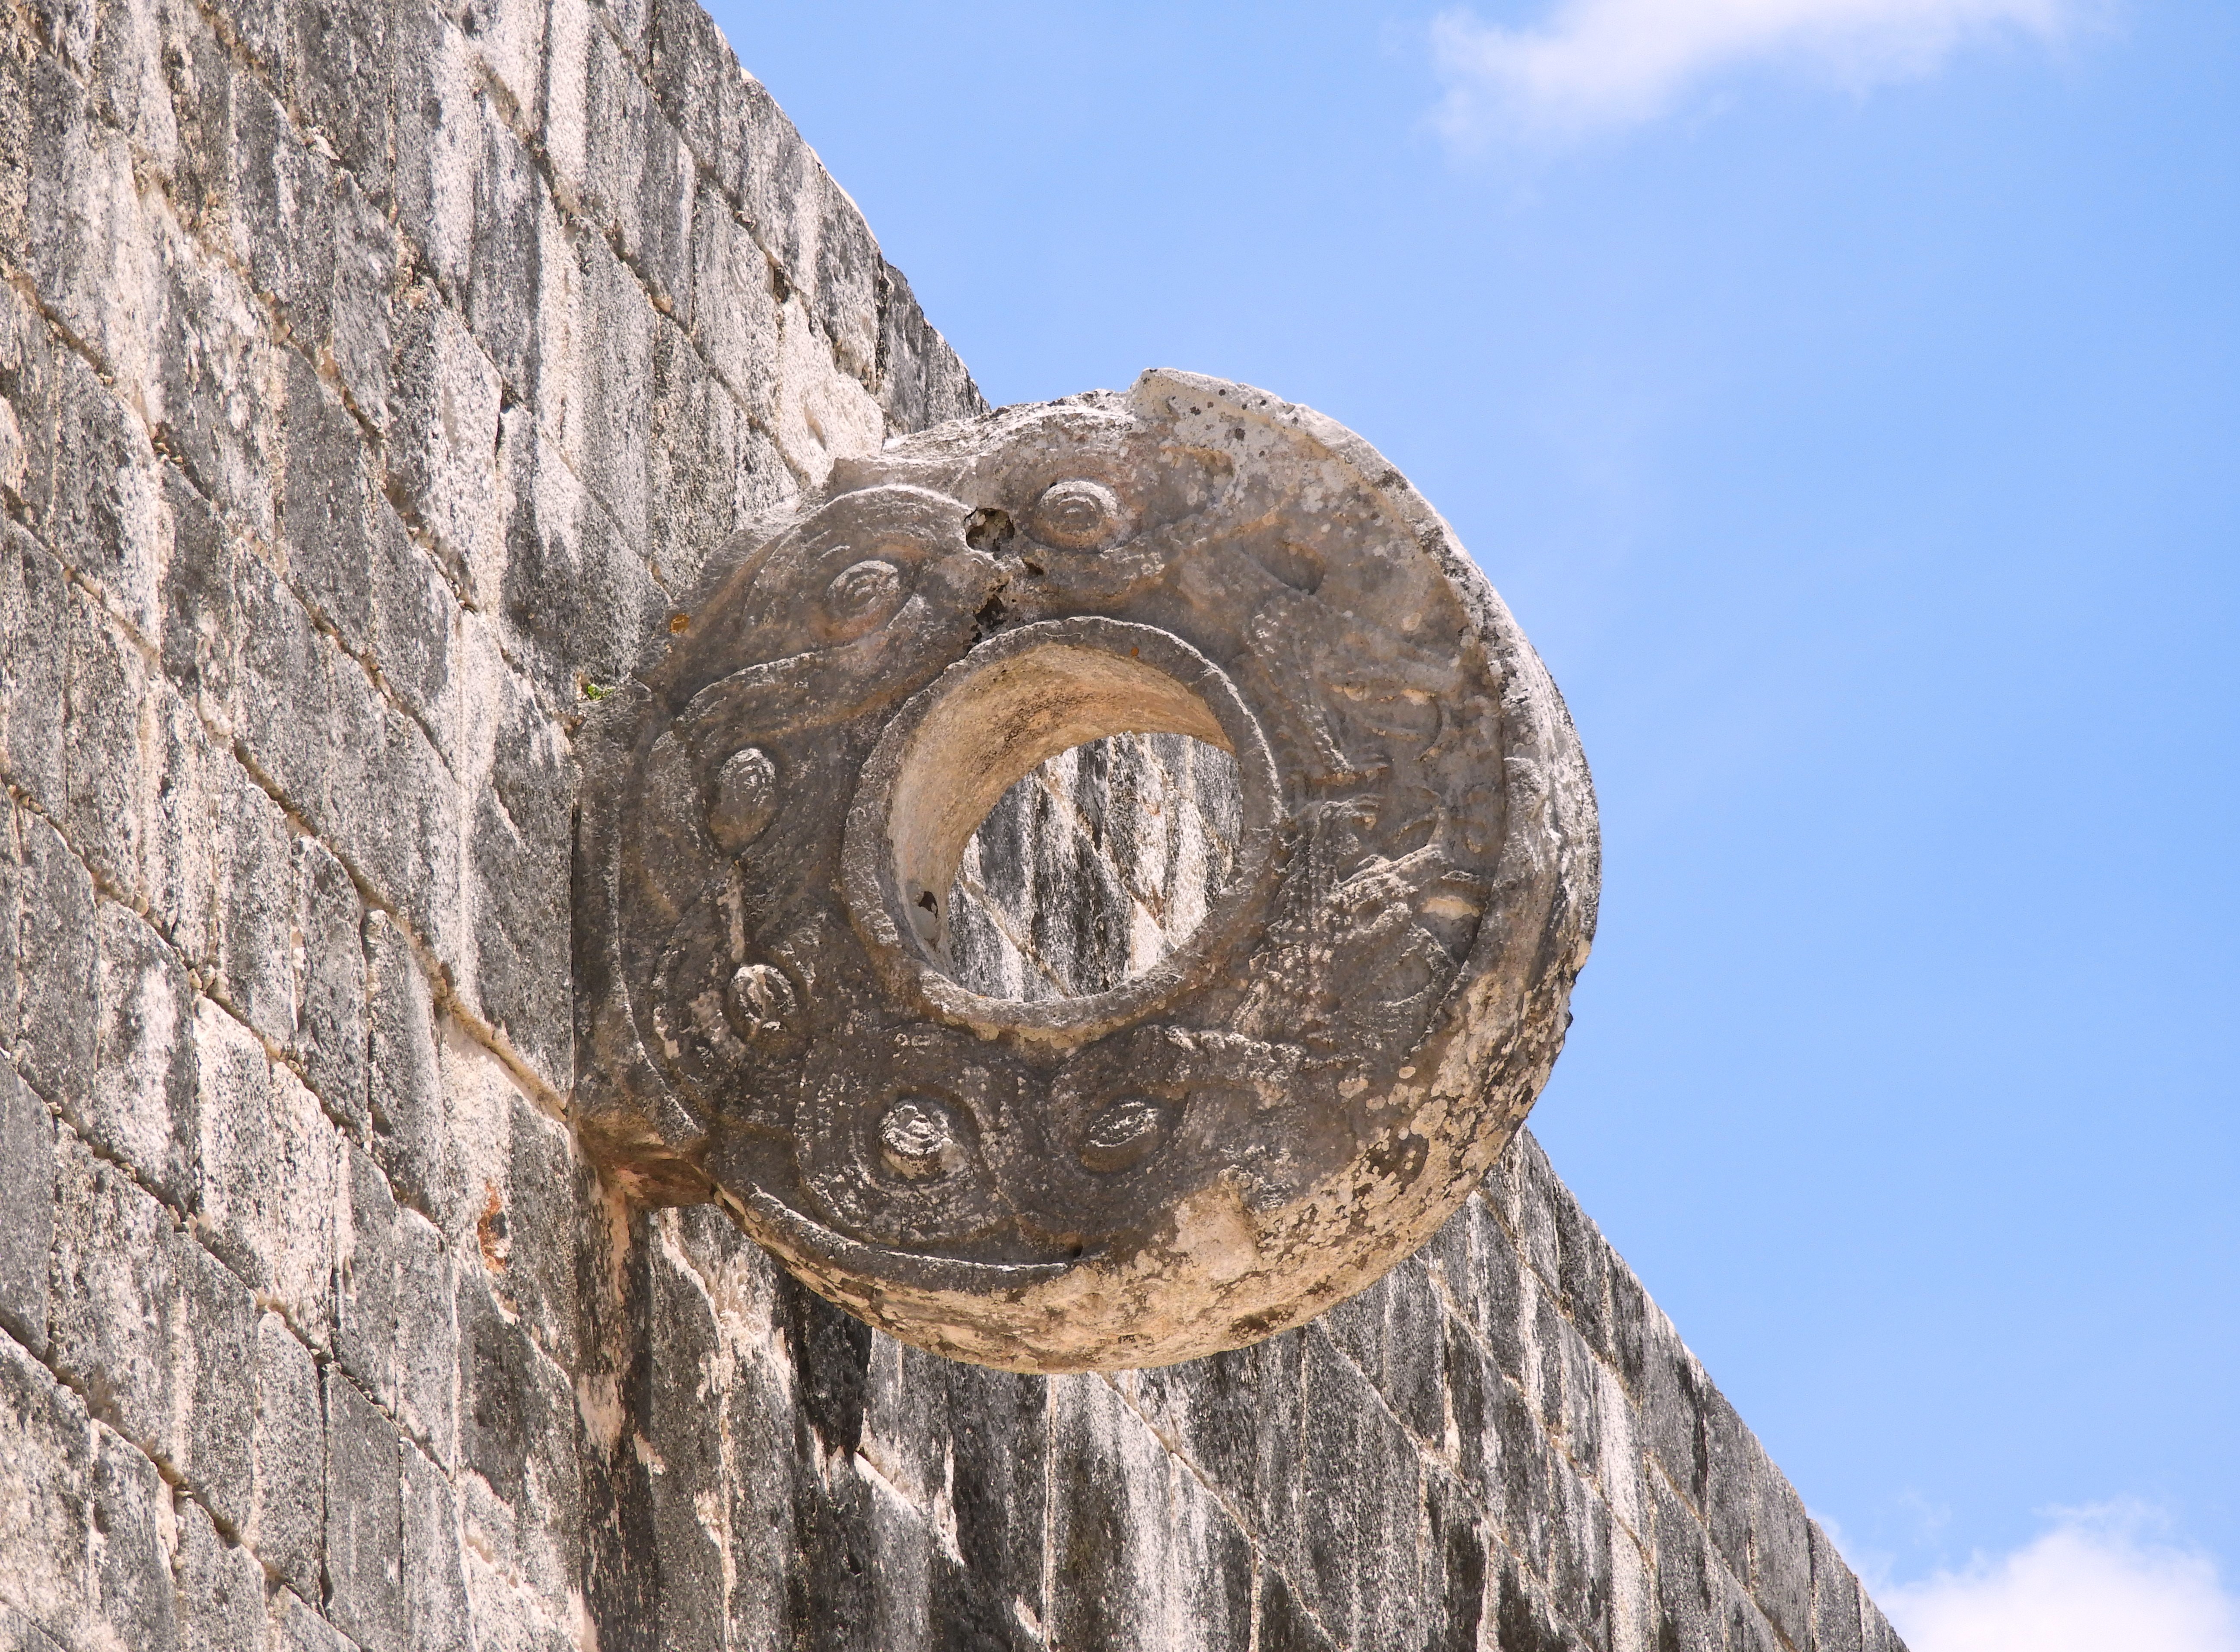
[(1281, 1624), (1781, 1556), (709, 460), (329, 1037), (288, 1514), (220, 1387), (690, 1608), (298, 1628), (133, 1548), (1835, 1599), (141, 1104), (518, 871), (549, 1220), (443, 434), (515, 1410), (1687, 1594), (1139, 1555), (256, 906), (35, 604), (434, 1580), (46, 1479), (427, 1336), (326, 504), (412, 1137), (221, 1588), (364, 1519), (732, 312), (211, 378), (571, 585), (57, 954), (1391, 1333), (592, 368), (27, 1215), (114, 1311), (270, 1172), (365, 1278)]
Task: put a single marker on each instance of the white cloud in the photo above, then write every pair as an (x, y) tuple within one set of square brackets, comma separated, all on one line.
[(2093, 1583), (1611, 63)]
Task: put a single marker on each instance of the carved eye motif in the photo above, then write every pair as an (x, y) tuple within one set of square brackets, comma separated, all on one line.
[(762, 1002), (860, 595), (1079, 515), (1123, 1135), (920, 1138), (746, 798)]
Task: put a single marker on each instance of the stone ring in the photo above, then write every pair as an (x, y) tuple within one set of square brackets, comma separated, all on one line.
[(1093, 887)]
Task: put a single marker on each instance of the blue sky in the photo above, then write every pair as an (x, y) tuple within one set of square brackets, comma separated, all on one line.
[(1845, 395)]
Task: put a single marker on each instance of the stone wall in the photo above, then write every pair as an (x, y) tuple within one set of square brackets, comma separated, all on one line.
[(372, 379)]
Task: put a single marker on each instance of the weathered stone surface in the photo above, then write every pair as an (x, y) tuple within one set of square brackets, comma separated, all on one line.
[(373, 379), (1246, 1119), (27, 1215)]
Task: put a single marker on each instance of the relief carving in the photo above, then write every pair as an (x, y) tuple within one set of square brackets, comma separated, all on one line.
[(777, 1004)]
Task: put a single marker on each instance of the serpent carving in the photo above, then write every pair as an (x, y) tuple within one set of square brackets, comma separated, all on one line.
[(1266, 1118)]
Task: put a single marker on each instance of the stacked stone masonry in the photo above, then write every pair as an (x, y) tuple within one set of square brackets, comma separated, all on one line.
[(373, 379)]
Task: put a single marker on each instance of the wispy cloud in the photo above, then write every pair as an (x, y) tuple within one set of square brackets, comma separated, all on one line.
[(1601, 64), (2098, 1582)]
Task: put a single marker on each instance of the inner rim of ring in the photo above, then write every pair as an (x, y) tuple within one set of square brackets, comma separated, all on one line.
[(993, 730)]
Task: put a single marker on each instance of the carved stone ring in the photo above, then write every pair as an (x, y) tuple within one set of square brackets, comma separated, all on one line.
[(792, 881)]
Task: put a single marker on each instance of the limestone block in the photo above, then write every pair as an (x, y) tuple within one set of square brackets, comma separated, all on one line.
[(1362, 1496), (16, 185), (255, 904), (134, 1547), (298, 1628), (516, 873), (211, 386), (444, 433), (271, 1173), (518, 1439), (27, 1215), (326, 504), (1837, 1599), (221, 1588), (287, 1516), (364, 1519), (427, 1337), (615, 157), (366, 1278), (921, 381), (443, 131), (1687, 1579), (141, 1104), (1143, 1556), (690, 1608), (823, 413), (543, 1218), (435, 1613), (47, 1454), (732, 311), (710, 461), (115, 1306), (413, 1139), (337, 65), (220, 1390), (1280, 1623), (594, 359), (1391, 1333), (569, 585), (329, 1033), (34, 607), (1338, 1048)]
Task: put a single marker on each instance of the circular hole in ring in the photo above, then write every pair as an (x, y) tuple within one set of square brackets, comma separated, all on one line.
[(1101, 862), (989, 724)]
